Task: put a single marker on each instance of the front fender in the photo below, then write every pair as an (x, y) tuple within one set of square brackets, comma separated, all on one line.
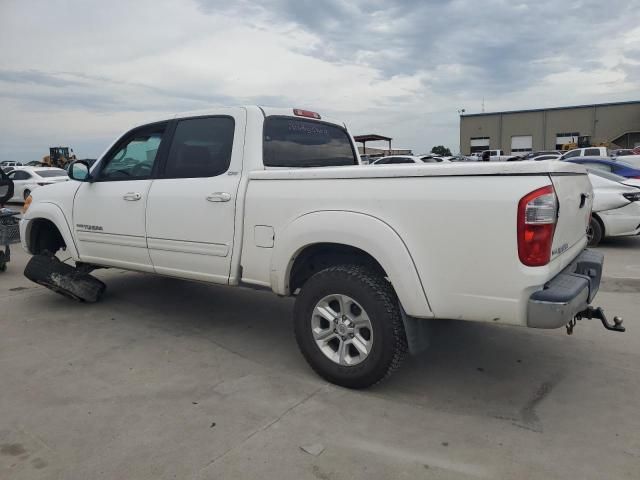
[(53, 213), (358, 230)]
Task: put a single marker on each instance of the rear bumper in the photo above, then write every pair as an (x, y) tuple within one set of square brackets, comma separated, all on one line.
[(567, 293)]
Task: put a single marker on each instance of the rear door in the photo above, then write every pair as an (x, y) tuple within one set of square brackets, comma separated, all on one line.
[(109, 212), (191, 207), (575, 199)]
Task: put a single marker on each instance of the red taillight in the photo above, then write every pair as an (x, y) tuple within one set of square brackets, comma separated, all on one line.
[(537, 216), (306, 113)]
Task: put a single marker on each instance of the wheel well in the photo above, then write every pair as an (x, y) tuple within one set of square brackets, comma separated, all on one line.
[(599, 220), (319, 256), (45, 236)]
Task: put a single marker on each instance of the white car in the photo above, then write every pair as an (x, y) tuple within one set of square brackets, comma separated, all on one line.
[(369, 253), (27, 179), (404, 159), (633, 160), (10, 163), (616, 206), (547, 156)]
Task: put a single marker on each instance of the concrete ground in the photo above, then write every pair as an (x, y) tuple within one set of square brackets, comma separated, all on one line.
[(169, 379)]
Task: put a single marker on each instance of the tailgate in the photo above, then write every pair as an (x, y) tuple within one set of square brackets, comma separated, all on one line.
[(575, 199)]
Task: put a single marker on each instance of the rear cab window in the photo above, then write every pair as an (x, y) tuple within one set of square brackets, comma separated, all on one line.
[(293, 142), (592, 152)]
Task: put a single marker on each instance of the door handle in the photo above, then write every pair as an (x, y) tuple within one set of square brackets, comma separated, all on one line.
[(132, 196), (583, 199), (219, 197)]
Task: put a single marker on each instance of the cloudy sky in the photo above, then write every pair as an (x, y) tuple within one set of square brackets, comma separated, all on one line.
[(79, 73)]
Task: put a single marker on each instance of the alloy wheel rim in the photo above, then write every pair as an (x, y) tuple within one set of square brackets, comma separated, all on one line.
[(342, 329)]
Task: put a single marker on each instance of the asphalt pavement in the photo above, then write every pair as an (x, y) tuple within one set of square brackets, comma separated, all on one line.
[(171, 379)]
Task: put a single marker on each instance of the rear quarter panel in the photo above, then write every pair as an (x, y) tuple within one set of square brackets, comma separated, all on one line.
[(459, 230)]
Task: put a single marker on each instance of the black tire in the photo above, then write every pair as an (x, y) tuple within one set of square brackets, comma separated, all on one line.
[(377, 298), (25, 194), (594, 232), (48, 271)]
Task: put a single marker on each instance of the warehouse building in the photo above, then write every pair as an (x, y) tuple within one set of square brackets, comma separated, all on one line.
[(616, 125)]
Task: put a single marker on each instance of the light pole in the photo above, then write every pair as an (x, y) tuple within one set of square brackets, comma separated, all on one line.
[(460, 112)]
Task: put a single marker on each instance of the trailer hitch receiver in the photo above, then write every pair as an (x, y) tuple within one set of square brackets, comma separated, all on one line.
[(591, 313)]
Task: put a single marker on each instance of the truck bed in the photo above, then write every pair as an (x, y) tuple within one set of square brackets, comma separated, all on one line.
[(458, 225)]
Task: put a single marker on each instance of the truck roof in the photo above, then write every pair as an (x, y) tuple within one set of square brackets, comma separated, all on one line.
[(264, 110)]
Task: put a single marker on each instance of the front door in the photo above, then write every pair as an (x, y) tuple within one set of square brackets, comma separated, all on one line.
[(109, 211), (191, 206)]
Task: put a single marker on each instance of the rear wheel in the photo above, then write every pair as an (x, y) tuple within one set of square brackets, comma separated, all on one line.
[(594, 232), (348, 326), (48, 271)]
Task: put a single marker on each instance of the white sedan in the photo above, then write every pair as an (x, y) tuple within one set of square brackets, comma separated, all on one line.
[(27, 179), (616, 206)]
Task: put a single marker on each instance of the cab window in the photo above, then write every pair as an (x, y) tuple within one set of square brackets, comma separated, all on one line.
[(135, 156), (201, 147)]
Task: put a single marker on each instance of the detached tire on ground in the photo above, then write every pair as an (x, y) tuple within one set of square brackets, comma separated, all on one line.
[(64, 279), (349, 327)]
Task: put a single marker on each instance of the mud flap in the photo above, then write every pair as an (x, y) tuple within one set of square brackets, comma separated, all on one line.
[(419, 332)]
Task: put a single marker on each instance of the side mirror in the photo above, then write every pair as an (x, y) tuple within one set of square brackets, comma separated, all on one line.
[(79, 171)]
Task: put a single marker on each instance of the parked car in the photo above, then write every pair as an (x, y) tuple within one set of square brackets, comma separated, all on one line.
[(633, 160), (606, 164), (10, 163), (403, 159), (436, 158), (632, 182), (497, 156), (27, 179), (549, 156), (621, 152), (532, 155), (616, 207), (35, 163), (369, 253), (586, 152)]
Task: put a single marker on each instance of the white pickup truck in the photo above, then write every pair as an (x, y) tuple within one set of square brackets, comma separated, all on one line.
[(278, 199), (498, 156)]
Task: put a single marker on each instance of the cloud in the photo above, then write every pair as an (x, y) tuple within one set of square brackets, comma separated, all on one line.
[(400, 68)]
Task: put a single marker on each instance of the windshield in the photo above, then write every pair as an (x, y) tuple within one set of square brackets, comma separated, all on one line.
[(624, 164), (607, 175)]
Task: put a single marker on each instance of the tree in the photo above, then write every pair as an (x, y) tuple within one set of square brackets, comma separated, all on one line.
[(441, 150)]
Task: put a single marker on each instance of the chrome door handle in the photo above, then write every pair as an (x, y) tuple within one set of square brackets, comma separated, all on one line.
[(219, 197), (131, 196)]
